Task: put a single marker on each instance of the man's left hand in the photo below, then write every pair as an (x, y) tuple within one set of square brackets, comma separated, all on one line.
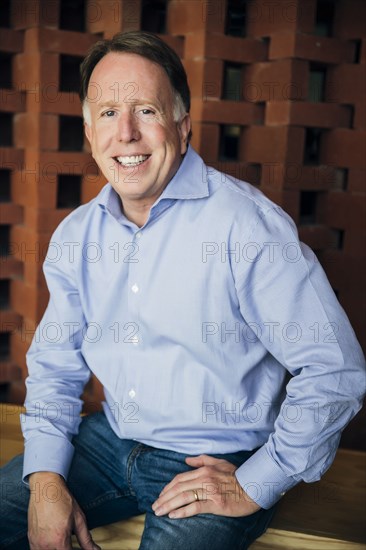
[(211, 488)]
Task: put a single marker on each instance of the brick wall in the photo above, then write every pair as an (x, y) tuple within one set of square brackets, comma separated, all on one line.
[(278, 99)]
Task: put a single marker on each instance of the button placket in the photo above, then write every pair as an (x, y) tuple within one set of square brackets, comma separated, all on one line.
[(133, 300)]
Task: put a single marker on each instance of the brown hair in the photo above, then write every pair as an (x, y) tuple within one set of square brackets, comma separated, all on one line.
[(146, 45)]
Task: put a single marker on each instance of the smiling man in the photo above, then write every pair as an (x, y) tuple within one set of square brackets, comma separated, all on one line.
[(229, 368), (137, 128)]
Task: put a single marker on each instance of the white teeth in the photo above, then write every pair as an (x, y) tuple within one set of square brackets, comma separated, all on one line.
[(133, 160)]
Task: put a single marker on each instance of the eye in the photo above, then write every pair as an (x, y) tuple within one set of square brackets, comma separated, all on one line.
[(109, 113), (147, 112)]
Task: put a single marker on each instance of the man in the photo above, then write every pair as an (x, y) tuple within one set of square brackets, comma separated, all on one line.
[(189, 296)]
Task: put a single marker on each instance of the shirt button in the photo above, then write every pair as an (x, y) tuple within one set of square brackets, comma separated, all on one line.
[(138, 235), (135, 288), (132, 393)]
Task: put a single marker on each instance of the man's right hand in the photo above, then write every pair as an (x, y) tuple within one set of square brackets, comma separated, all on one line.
[(54, 515)]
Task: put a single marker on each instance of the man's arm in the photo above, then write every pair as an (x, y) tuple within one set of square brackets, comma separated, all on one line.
[(57, 375), (55, 516), (310, 335), (285, 291)]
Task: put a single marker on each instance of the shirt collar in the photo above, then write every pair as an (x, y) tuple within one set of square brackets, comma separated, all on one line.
[(189, 182)]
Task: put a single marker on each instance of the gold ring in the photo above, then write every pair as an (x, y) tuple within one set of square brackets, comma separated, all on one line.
[(195, 494)]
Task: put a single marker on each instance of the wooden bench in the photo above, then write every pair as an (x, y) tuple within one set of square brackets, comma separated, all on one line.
[(327, 515)]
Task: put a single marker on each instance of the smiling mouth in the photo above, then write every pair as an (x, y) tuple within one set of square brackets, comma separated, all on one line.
[(131, 161)]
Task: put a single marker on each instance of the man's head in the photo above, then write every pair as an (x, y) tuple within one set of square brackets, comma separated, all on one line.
[(146, 45), (136, 101)]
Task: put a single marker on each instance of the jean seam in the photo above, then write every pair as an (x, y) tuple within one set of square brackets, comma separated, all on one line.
[(130, 462)]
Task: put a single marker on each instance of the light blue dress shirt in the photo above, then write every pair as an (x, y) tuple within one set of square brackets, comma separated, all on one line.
[(211, 328)]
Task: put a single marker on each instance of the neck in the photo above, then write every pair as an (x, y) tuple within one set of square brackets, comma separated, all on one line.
[(137, 213)]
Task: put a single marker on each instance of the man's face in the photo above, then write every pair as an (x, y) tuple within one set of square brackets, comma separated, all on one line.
[(133, 135)]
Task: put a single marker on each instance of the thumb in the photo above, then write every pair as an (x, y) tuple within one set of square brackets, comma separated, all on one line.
[(83, 534)]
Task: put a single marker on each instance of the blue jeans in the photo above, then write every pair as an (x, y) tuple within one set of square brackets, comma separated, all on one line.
[(114, 479)]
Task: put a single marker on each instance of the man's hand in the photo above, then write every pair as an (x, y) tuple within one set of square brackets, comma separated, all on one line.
[(54, 515), (211, 488)]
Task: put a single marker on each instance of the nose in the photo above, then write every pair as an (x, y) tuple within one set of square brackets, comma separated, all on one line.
[(127, 128)]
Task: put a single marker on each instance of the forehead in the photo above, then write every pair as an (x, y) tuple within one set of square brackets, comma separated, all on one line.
[(125, 76)]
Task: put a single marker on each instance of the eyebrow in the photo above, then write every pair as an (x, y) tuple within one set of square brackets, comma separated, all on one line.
[(140, 101)]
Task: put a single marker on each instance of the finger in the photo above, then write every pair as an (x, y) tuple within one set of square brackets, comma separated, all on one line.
[(197, 507), (182, 497), (83, 534), (202, 460), (180, 478)]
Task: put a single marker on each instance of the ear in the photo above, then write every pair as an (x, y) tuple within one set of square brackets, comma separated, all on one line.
[(184, 127), (88, 132)]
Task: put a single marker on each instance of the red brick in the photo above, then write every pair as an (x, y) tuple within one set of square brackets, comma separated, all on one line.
[(11, 41), (349, 19), (56, 102), (29, 301), (10, 320), (195, 45), (10, 267), (243, 171), (11, 158), (175, 42), (29, 246), (265, 18), (363, 51), (278, 80), (343, 147), (33, 189), (234, 49), (9, 372), (228, 48), (206, 139), (204, 77), (346, 211), (188, 17), (17, 391), (359, 119), (341, 268), (304, 178), (33, 72), (313, 48), (19, 344), (36, 130), (356, 180), (58, 41), (34, 13), (318, 115), (12, 101), (91, 185), (287, 199), (316, 236), (227, 112), (50, 163), (271, 144), (43, 219), (341, 84), (10, 213), (111, 16)]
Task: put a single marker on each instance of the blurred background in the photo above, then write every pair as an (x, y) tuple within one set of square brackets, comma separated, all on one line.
[(278, 99)]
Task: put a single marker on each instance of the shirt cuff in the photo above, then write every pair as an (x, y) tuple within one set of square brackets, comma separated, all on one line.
[(47, 453), (263, 480)]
